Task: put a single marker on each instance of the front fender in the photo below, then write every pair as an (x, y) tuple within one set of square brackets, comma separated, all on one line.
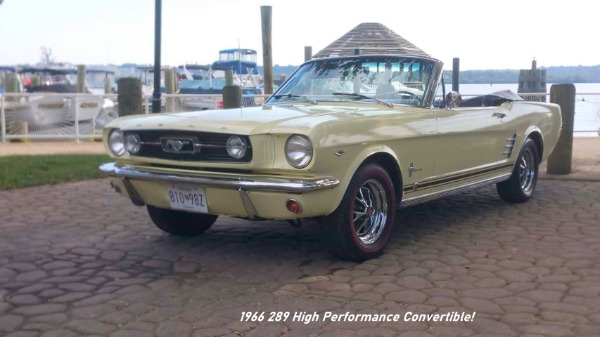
[(359, 159)]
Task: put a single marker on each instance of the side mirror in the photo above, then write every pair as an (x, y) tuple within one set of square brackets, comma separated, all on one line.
[(453, 100)]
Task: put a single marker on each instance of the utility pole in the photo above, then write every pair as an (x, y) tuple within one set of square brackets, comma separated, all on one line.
[(157, 29)]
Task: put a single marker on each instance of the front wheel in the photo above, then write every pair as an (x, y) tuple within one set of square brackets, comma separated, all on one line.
[(521, 184), (180, 223), (361, 226)]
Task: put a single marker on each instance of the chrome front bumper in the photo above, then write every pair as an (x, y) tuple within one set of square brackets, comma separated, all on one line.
[(258, 184)]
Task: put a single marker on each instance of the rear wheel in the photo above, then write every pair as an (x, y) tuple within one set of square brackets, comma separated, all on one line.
[(179, 222), (361, 226), (521, 184)]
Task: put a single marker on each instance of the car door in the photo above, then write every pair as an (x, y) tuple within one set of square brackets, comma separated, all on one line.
[(471, 142)]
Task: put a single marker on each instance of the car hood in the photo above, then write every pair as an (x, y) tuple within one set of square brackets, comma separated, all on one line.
[(247, 121)]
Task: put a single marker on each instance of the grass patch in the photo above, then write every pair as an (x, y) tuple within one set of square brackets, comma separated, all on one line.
[(26, 171)]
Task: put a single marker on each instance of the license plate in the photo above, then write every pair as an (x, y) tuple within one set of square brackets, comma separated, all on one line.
[(187, 198)]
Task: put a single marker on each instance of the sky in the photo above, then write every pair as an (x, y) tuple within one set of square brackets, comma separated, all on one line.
[(505, 34)]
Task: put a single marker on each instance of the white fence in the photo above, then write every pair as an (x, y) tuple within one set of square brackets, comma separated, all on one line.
[(51, 116)]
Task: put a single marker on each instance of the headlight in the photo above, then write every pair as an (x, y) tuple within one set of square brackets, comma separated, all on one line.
[(133, 143), (298, 151), (115, 142), (236, 147)]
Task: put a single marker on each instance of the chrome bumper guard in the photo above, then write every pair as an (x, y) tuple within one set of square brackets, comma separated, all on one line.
[(242, 185)]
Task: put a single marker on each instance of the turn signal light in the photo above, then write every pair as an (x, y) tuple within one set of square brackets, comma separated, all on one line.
[(293, 206)]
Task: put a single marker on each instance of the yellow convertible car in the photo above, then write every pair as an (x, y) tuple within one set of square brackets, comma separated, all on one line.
[(345, 140)]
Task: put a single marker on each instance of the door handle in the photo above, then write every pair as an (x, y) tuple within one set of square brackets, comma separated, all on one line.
[(499, 114)]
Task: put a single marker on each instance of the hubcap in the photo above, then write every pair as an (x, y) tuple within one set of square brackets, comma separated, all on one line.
[(370, 211), (527, 171)]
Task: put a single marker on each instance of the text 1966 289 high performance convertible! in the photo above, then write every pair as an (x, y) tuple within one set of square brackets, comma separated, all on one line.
[(345, 140)]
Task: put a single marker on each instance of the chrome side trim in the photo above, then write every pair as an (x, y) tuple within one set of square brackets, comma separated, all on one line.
[(444, 193), (261, 184)]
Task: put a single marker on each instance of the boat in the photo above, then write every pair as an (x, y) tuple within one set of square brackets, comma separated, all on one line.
[(45, 108), (241, 61)]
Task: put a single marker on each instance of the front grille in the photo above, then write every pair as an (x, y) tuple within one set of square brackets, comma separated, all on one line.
[(208, 146)]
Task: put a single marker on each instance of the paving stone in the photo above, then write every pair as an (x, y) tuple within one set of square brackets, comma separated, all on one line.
[(59, 333), (25, 300), (10, 323), (23, 333), (407, 296), (481, 305), (543, 295), (515, 276), (31, 276), (525, 269), (53, 292), (413, 282), (40, 309), (329, 286), (521, 318), (21, 266), (547, 330), (132, 333), (88, 326)]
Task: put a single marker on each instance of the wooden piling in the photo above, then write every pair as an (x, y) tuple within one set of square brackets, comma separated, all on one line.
[(107, 85), (561, 158), (455, 73), (129, 96), (266, 20), (170, 89), (307, 53), (232, 94), (81, 69)]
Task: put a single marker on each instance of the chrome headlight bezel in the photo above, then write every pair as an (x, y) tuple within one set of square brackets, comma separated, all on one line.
[(132, 142), (116, 142), (237, 147), (298, 151)]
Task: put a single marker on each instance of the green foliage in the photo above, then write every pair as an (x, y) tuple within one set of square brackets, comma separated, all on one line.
[(24, 171)]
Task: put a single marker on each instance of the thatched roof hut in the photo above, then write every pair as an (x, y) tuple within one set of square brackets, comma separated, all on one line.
[(370, 38)]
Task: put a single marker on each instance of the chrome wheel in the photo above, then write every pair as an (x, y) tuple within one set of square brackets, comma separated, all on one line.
[(521, 184), (370, 212), (527, 171)]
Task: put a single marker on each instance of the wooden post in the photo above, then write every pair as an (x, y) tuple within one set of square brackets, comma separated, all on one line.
[(307, 53), (169, 89), (455, 72), (130, 96), (228, 77), (266, 20), (560, 160), (81, 88), (36, 80), (107, 85), (232, 94), (11, 85)]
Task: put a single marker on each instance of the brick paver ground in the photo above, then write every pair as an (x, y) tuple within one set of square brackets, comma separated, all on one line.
[(78, 260)]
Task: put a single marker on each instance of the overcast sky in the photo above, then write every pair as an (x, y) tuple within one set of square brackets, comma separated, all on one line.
[(505, 34)]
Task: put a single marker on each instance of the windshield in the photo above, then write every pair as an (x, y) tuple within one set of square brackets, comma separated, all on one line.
[(389, 79)]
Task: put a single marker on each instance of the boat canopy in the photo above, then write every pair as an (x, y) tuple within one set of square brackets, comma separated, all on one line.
[(239, 67), (238, 54), (8, 68)]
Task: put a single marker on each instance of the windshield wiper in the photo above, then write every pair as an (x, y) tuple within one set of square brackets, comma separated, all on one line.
[(296, 96), (359, 96)]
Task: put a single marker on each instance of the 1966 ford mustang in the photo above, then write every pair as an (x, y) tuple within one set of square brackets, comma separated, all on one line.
[(345, 140)]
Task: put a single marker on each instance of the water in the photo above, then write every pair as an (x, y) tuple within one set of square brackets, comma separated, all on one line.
[(587, 103)]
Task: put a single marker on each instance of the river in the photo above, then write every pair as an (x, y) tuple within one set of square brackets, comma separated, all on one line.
[(587, 103)]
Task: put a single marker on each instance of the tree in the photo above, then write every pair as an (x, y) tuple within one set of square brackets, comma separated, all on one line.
[(47, 57)]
